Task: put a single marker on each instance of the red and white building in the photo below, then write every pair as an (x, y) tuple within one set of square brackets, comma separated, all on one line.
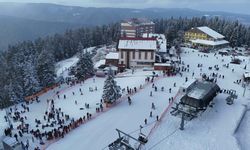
[(135, 27), (137, 52)]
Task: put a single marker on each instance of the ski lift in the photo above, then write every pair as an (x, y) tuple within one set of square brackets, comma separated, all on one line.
[(142, 138)]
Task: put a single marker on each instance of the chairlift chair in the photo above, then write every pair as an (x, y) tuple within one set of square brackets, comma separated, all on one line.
[(142, 138)]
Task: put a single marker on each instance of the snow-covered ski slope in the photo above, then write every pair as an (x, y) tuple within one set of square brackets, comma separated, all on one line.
[(61, 67), (98, 133), (214, 129)]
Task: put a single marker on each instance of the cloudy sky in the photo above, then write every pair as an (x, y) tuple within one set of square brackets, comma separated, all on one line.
[(236, 6)]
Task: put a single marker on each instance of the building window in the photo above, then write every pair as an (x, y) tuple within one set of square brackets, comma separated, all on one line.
[(121, 54), (133, 54), (139, 54), (152, 55), (146, 55)]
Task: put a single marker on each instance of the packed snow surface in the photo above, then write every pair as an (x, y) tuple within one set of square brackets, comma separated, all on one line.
[(63, 66)]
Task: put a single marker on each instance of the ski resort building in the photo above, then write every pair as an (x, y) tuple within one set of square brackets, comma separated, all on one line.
[(246, 77), (205, 37), (165, 67), (197, 95), (137, 52), (200, 94), (135, 27), (112, 59)]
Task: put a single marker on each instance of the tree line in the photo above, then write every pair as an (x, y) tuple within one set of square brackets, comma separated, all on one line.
[(29, 66), (174, 28)]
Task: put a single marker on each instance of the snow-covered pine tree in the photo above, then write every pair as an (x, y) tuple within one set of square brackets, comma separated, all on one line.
[(80, 47), (111, 91), (31, 84), (89, 64), (84, 67), (46, 68)]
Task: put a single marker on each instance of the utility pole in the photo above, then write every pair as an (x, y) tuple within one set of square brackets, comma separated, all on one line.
[(182, 122), (244, 90)]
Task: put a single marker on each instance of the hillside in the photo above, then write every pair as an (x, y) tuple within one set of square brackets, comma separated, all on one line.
[(15, 29), (20, 21)]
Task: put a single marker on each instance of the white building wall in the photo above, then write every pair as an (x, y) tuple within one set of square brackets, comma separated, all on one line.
[(135, 60)]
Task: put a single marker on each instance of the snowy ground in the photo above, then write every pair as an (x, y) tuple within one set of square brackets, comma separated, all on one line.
[(243, 133), (124, 117), (63, 66), (3, 125), (214, 129)]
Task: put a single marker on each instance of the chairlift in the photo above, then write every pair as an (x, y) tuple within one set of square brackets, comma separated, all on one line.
[(142, 138), (229, 100)]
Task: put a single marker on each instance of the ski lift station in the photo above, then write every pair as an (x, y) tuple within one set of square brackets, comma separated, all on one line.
[(200, 94), (197, 95)]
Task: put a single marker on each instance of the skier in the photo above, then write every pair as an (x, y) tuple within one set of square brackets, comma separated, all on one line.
[(101, 107), (155, 89), (129, 101), (153, 106), (162, 88), (151, 94)]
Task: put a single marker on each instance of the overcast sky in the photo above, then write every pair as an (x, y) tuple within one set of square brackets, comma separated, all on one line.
[(236, 6)]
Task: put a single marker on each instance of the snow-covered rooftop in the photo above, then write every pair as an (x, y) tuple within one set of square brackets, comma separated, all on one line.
[(188, 83), (161, 39), (211, 32), (111, 67), (99, 63), (138, 43), (197, 93), (162, 64), (10, 141), (207, 42), (112, 55), (201, 89), (138, 21), (247, 75)]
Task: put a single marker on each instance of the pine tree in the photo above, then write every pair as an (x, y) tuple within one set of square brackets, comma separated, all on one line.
[(111, 91), (31, 84), (80, 47), (84, 67), (46, 68)]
